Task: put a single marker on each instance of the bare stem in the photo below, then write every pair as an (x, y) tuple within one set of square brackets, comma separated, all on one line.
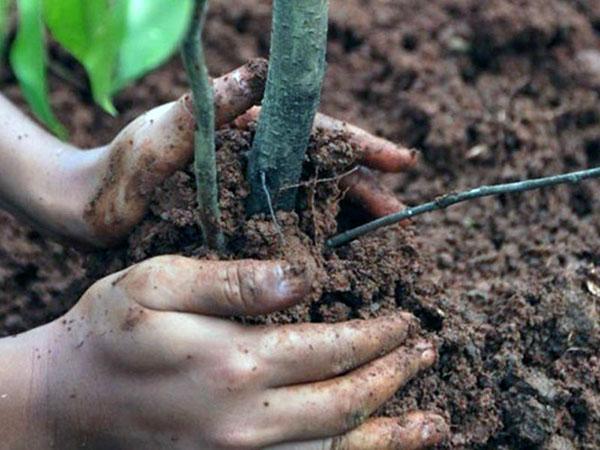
[(205, 164), (292, 95), (454, 198)]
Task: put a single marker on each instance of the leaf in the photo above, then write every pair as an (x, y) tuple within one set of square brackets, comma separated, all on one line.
[(92, 31), (153, 32), (28, 61)]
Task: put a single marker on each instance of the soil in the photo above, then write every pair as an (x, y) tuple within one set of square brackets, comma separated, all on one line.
[(508, 287)]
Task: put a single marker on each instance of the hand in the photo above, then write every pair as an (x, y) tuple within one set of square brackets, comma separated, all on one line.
[(146, 360), (96, 197), (160, 142)]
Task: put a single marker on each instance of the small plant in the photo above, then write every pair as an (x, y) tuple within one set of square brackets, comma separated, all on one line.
[(119, 41), (296, 70)]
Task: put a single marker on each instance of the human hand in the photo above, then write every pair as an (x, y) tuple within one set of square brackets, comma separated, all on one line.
[(97, 196), (147, 360), (160, 142)]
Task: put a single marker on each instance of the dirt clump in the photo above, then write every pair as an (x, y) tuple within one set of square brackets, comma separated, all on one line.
[(355, 281)]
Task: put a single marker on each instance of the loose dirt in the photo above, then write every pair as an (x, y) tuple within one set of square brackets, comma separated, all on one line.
[(507, 287)]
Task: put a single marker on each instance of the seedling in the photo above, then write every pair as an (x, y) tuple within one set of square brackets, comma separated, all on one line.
[(117, 42), (296, 70)]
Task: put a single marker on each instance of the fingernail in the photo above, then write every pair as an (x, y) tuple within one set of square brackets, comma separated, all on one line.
[(292, 281), (406, 319), (427, 353), (434, 430)]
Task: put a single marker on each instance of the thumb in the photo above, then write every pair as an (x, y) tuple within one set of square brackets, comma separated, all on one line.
[(154, 146), (217, 288)]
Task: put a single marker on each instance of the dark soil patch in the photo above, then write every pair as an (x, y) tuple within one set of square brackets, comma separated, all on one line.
[(492, 92)]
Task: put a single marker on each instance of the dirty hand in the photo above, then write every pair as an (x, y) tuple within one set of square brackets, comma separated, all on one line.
[(97, 196), (147, 360)]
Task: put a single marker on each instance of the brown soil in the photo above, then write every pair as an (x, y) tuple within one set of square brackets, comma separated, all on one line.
[(508, 287)]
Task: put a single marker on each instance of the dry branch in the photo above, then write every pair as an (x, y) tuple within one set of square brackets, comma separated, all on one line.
[(454, 198)]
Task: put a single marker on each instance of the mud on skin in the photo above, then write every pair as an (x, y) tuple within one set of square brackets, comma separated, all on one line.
[(502, 282)]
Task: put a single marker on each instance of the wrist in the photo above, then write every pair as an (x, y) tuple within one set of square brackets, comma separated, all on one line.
[(23, 386), (53, 194)]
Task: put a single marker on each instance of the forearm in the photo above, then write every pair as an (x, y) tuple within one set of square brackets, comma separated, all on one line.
[(37, 182), (23, 362)]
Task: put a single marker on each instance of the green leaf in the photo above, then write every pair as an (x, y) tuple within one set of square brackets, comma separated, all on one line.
[(28, 60), (92, 31), (153, 32)]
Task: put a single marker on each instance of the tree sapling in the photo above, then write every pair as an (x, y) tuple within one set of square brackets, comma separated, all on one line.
[(292, 95)]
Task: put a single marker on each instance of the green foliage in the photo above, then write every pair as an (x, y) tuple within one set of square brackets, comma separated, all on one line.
[(92, 31), (153, 31), (116, 41), (28, 60)]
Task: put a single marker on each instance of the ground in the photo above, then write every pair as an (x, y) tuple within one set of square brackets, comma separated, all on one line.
[(508, 287)]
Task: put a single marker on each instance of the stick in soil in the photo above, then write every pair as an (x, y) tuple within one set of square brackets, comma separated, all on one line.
[(205, 164), (454, 198), (296, 71), (270, 203)]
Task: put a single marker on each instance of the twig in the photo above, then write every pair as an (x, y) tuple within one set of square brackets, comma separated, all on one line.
[(263, 179), (454, 198), (314, 182), (205, 164)]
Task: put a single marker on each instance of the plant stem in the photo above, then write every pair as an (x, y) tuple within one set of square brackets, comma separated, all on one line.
[(205, 164), (454, 198), (296, 71)]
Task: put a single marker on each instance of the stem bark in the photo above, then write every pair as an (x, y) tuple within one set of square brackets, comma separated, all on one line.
[(205, 163), (292, 96)]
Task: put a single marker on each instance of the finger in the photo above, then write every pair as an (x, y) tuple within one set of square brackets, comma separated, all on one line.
[(362, 184), (375, 152), (343, 403), (364, 189), (168, 131), (153, 147), (415, 431), (328, 350), (220, 288), (234, 93), (239, 90)]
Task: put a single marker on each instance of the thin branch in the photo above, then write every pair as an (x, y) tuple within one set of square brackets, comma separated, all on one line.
[(454, 198), (263, 178), (205, 163), (314, 182)]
